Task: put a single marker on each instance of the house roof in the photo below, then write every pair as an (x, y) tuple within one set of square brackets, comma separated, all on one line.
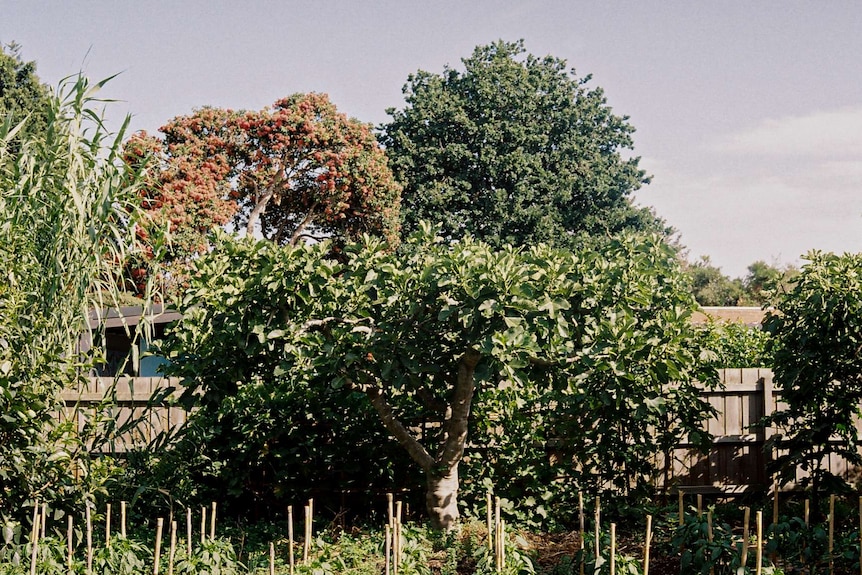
[(131, 316), (752, 316)]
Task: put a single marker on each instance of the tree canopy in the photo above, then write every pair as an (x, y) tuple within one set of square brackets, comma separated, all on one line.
[(421, 334), (297, 169), (515, 149), (22, 94), (816, 329)]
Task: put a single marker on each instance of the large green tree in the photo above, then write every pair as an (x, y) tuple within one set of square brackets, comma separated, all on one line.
[(513, 149), (816, 329), (422, 333)]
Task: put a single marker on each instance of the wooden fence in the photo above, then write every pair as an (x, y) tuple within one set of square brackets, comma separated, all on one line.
[(736, 462)]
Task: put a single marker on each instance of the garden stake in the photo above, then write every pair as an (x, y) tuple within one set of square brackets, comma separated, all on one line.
[(213, 522), (759, 553), (744, 553), (34, 539), (831, 531), (399, 535), (69, 531), (681, 508), (647, 542), (488, 521), (699, 505), (581, 526), (203, 525), (387, 548), (160, 523), (123, 519), (497, 533), (44, 522), (290, 536), (89, 521), (502, 544), (188, 531), (107, 523), (598, 522), (613, 549), (390, 509), (271, 558), (173, 552), (807, 511), (305, 537)]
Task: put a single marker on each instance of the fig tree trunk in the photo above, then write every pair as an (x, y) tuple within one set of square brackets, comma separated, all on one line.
[(441, 499)]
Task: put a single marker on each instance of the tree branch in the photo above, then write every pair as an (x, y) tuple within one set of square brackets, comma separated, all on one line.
[(417, 452), (455, 426)]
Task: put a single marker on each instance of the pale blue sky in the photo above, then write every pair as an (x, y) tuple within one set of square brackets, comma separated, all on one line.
[(748, 114)]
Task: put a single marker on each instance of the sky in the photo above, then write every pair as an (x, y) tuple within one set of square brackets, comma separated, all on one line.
[(748, 114)]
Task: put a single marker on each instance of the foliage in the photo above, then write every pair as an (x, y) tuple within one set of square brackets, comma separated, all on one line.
[(713, 288), (415, 336), (296, 170), (69, 212), (816, 330), (513, 150), (22, 95), (734, 344)]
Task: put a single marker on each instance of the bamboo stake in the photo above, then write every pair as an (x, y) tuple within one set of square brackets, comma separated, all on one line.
[(598, 522), (89, 521), (831, 532), (271, 558), (203, 525), (188, 531), (34, 539), (70, 525), (305, 538), (213, 522), (745, 521), (123, 519), (699, 505), (497, 561), (502, 544), (488, 521), (387, 547), (581, 527), (681, 508), (160, 523), (398, 535), (759, 553), (290, 536), (613, 549), (647, 542), (107, 523), (44, 521), (390, 510), (173, 552), (807, 511)]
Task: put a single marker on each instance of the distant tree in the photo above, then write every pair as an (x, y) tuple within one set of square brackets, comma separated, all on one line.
[(711, 287), (515, 149), (297, 170), (22, 94), (763, 277)]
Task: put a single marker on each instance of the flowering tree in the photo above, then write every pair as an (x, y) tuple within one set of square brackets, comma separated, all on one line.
[(297, 170)]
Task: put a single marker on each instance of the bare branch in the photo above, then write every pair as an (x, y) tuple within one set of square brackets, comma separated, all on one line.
[(455, 426), (407, 440)]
